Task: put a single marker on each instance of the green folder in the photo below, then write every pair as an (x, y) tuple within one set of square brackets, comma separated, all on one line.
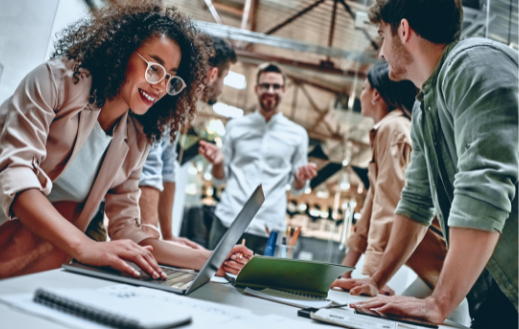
[(302, 277)]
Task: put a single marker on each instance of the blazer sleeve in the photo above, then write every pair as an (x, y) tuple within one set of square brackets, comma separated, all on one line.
[(25, 119), (122, 207)]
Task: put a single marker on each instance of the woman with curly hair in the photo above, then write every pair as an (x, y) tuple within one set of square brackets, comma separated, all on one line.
[(78, 129)]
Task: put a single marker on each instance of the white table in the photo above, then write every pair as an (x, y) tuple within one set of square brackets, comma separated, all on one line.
[(214, 292)]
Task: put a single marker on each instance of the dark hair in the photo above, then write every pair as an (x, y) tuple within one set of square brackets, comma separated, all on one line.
[(224, 55), (269, 67), (397, 94), (438, 21), (103, 44)]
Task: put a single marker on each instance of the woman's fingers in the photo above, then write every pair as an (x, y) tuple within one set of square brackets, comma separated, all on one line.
[(231, 269), (233, 264), (246, 252), (122, 266), (143, 258)]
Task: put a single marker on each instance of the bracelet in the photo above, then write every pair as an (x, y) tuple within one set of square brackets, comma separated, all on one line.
[(153, 227)]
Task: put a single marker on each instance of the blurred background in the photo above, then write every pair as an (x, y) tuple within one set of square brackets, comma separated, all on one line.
[(325, 46)]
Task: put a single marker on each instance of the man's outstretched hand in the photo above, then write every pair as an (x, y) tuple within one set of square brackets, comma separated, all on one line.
[(211, 153), (421, 309)]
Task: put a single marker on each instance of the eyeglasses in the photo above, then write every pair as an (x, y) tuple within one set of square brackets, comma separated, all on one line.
[(266, 87), (156, 72)]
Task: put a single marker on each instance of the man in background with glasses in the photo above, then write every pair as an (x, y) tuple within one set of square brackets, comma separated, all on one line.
[(265, 148)]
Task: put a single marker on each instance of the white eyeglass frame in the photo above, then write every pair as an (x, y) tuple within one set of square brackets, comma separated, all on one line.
[(171, 77)]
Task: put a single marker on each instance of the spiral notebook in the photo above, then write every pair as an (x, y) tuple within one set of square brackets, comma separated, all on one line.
[(290, 298), (113, 311)]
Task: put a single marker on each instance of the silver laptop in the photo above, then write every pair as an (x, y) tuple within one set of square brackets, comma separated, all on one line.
[(182, 281)]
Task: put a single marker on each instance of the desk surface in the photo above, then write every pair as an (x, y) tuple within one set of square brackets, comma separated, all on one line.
[(214, 292)]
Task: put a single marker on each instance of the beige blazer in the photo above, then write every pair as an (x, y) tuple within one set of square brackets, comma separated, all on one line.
[(390, 143), (43, 126)]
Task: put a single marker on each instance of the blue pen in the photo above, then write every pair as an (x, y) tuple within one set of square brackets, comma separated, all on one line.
[(271, 244)]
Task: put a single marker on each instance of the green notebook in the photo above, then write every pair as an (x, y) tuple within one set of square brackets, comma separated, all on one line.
[(298, 276)]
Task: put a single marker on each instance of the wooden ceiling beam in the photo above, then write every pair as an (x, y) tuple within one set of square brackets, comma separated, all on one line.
[(294, 17)]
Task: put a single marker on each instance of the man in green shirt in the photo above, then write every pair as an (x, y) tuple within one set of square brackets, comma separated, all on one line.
[(464, 164)]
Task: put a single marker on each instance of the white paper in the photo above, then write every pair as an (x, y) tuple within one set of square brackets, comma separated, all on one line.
[(220, 279), (269, 321), (205, 314), (289, 298)]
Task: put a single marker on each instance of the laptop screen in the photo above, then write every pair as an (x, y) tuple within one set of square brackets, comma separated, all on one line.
[(230, 239)]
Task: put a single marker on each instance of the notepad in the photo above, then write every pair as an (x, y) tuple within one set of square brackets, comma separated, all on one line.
[(290, 298), (113, 311), (303, 277)]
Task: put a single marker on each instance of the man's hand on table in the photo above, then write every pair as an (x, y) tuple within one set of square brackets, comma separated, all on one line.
[(236, 260), (358, 287), (422, 309)]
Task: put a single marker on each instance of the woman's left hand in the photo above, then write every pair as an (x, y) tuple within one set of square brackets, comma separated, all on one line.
[(237, 258)]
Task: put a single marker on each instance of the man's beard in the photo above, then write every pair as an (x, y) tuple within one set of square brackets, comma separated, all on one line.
[(210, 95), (269, 108), (402, 58)]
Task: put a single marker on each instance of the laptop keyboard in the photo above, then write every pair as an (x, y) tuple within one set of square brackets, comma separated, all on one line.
[(180, 279)]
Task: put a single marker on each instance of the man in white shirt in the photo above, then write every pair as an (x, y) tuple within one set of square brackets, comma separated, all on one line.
[(265, 148)]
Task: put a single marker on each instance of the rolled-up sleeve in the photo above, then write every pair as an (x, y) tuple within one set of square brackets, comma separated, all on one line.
[(169, 159), (26, 118), (152, 170), (299, 159), (122, 208), (483, 96), (228, 154), (415, 201)]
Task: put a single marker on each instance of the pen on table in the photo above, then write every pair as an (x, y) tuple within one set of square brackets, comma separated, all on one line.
[(288, 234), (296, 235), (267, 230)]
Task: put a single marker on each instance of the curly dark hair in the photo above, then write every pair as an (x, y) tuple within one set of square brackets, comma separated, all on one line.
[(104, 43)]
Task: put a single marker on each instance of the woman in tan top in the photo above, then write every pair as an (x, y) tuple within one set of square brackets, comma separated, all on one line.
[(389, 104), (78, 129)]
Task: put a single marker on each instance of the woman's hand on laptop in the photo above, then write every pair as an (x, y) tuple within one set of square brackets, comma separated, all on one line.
[(237, 258), (115, 253)]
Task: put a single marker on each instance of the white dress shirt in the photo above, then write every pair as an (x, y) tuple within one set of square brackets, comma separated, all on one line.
[(259, 152)]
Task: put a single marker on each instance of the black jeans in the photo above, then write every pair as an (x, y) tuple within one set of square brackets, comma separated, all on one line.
[(255, 243), (489, 307)]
